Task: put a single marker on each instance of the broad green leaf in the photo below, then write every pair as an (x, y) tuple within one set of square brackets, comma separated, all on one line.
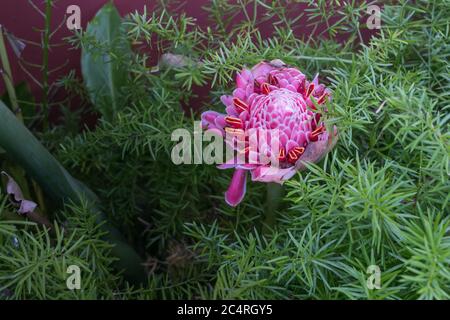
[(102, 61)]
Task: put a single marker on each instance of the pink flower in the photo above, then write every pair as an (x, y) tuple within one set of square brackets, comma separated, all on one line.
[(274, 96), (15, 192)]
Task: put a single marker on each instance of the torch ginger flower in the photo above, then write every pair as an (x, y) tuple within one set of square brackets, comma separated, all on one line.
[(272, 96)]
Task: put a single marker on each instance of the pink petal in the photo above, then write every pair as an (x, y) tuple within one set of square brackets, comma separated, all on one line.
[(237, 188), (227, 100), (252, 98), (272, 174), (246, 166), (291, 144), (212, 120), (244, 78), (283, 83), (13, 189), (290, 87), (262, 69), (250, 89), (231, 110), (278, 63), (316, 80), (244, 115), (230, 163), (240, 93), (220, 121), (27, 206), (294, 72), (317, 150)]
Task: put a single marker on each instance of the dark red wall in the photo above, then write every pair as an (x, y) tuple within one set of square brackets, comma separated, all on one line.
[(19, 17)]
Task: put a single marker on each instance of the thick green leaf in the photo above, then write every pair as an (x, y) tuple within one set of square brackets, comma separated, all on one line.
[(103, 72), (21, 145)]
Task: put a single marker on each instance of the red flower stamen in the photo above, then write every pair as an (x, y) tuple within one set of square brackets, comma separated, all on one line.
[(234, 122), (314, 135), (299, 150), (265, 89), (295, 153), (315, 121), (240, 105), (234, 131), (282, 155), (292, 156), (310, 90), (301, 87), (318, 130), (273, 80), (322, 98), (317, 117)]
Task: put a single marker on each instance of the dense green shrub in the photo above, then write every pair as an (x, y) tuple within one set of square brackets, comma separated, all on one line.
[(380, 198)]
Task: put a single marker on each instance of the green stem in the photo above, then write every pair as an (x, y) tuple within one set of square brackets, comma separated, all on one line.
[(7, 77), (275, 193), (45, 55)]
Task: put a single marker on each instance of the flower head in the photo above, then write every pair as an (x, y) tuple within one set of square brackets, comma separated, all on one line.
[(274, 98)]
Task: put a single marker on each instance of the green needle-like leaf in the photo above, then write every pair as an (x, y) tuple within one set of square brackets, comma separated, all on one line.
[(20, 144)]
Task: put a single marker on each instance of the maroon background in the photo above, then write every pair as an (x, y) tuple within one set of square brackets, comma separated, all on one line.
[(19, 18)]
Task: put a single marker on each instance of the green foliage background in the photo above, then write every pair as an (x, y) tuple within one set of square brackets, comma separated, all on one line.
[(380, 198)]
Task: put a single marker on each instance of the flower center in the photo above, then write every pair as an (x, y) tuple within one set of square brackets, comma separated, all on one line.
[(276, 104), (284, 114), (283, 110)]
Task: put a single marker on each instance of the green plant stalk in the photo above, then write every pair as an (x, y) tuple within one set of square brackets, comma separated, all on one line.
[(40, 197), (274, 195), (30, 154), (7, 77), (45, 55)]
